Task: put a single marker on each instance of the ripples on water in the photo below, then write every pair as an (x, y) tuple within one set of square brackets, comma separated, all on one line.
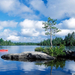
[(55, 67)]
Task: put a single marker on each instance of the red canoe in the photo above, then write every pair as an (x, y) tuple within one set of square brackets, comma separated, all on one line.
[(3, 50)]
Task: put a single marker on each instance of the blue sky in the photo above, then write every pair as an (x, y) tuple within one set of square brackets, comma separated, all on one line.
[(21, 20)]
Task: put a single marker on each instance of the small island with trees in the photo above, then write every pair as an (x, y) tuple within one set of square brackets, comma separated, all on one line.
[(57, 45), (50, 29)]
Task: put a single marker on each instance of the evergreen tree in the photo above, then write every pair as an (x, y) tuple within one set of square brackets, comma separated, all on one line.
[(50, 28)]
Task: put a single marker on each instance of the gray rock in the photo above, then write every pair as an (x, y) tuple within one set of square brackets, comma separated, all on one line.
[(28, 55), (73, 54)]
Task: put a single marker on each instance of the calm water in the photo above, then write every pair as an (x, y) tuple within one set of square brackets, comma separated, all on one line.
[(8, 67)]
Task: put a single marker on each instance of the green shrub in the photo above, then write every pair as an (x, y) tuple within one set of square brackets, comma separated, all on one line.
[(53, 51), (39, 49)]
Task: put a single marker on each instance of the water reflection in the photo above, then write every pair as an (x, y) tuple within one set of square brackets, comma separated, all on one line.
[(7, 66), (54, 63), (30, 66), (70, 66), (72, 48), (55, 67)]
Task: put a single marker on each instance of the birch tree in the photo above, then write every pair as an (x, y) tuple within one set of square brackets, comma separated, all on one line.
[(50, 28)]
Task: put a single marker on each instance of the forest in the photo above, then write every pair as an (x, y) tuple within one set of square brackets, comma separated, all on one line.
[(69, 40), (4, 43)]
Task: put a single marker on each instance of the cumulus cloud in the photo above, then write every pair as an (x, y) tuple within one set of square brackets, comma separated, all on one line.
[(55, 9), (7, 34), (64, 32), (34, 28), (13, 38), (12, 6), (31, 24), (67, 24), (31, 39), (7, 24), (30, 32), (15, 7), (31, 28)]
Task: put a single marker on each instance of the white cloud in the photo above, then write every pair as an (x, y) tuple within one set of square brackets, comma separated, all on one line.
[(27, 23), (6, 5), (13, 38), (12, 6), (43, 33), (34, 28), (30, 32), (64, 32), (7, 24), (16, 8), (31, 28), (67, 24), (55, 8), (31, 24), (7, 34), (31, 39)]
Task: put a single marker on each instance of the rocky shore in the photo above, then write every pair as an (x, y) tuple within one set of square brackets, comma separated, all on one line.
[(33, 56), (27, 56), (68, 54)]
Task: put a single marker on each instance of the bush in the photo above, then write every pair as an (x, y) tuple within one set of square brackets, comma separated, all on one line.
[(53, 51), (39, 49)]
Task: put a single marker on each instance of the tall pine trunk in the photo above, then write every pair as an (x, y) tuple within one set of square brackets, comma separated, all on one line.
[(51, 37)]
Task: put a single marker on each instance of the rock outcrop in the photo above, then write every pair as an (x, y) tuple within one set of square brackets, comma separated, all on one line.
[(27, 56), (68, 54)]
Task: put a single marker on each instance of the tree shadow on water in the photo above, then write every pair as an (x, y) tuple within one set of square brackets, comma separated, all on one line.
[(54, 63)]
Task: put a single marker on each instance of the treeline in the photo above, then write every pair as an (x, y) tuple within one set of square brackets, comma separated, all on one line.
[(3, 43), (69, 40), (29, 43)]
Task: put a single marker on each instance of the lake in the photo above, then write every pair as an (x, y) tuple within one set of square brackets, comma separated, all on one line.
[(56, 67)]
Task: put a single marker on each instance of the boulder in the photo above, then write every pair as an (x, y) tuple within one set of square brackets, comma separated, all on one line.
[(68, 55), (27, 56)]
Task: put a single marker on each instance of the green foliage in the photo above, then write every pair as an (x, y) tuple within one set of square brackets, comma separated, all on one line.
[(59, 50), (30, 43), (70, 39), (39, 49), (50, 28), (54, 63), (56, 42), (53, 51), (45, 43), (2, 42)]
